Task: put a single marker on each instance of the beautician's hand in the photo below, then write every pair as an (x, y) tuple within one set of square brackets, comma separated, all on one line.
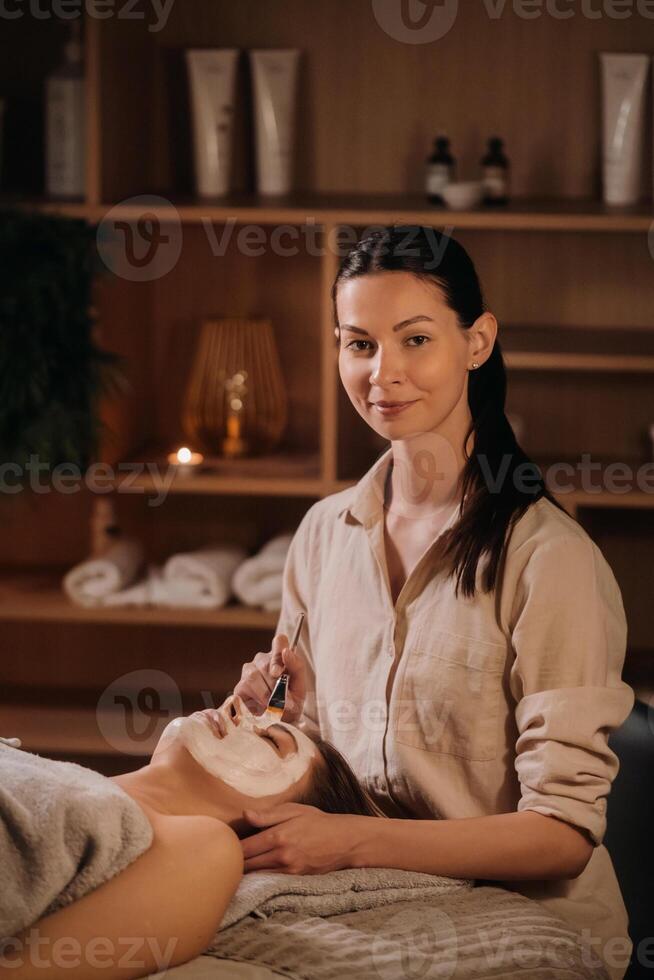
[(258, 679), (301, 840)]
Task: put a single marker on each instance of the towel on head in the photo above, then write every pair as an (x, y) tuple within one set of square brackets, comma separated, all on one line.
[(89, 582), (258, 580), (64, 830)]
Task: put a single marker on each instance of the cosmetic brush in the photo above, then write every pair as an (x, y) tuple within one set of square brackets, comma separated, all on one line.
[(277, 701)]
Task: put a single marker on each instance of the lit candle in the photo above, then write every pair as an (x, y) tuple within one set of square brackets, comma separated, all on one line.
[(185, 461)]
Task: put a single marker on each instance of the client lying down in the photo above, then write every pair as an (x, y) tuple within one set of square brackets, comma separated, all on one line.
[(153, 854)]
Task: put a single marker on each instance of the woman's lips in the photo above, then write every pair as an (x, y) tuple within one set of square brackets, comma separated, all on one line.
[(392, 409)]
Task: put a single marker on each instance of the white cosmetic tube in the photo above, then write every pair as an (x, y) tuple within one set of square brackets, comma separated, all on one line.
[(212, 75), (623, 103), (275, 75)]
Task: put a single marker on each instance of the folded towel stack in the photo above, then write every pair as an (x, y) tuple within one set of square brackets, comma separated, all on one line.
[(198, 579), (92, 581), (258, 581)]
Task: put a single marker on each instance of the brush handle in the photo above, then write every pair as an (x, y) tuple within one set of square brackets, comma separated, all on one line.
[(298, 629)]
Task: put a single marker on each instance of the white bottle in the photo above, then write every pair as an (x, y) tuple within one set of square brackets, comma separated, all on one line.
[(65, 124)]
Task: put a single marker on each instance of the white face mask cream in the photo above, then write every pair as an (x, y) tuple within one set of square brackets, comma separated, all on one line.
[(249, 762)]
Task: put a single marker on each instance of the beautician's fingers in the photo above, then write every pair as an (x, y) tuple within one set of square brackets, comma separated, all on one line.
[(271, 835), (279, 644), (275, 814), (258, 844), (271, 861), (254, 687)]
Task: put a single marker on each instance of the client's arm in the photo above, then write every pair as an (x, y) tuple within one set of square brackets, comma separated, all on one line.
[(160, 911)]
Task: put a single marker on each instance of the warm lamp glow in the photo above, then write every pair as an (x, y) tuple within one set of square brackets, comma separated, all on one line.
[(184, 455)]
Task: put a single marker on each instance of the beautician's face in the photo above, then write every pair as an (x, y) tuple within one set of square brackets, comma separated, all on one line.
[(425, 362), (257, 756)]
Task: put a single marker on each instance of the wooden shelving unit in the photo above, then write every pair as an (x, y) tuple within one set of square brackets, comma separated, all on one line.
[(32, 598), (527, 214), (569, 278)]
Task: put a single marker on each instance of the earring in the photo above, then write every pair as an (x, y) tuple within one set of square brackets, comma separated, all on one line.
[(474, 364)]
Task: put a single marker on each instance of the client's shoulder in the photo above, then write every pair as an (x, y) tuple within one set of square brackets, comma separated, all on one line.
[(205, 830), (204, 841)]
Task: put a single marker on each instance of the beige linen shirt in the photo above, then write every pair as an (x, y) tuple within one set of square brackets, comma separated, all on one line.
[(456, 707)]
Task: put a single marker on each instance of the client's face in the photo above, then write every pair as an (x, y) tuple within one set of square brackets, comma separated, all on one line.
[(256, 756)]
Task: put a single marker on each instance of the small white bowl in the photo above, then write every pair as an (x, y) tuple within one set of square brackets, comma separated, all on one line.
[(462, 194)]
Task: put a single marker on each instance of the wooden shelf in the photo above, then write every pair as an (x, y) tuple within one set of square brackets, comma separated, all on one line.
[(38, 597), (278, 474), (64, 730), (528, 214), (556, 347), (534, 361), (579, 496)]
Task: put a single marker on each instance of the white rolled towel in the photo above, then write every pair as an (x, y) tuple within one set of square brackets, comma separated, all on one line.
[(89, 582), (151, 590), (202, 578), (259, 580)]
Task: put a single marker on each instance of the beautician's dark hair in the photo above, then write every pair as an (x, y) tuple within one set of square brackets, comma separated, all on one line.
[(487, 516), (334, 787)]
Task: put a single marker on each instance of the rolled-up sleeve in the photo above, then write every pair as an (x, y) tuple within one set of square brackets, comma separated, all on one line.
[(296, 590), (569, 638)]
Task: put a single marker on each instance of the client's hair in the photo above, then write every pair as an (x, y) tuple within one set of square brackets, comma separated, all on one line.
[(334, 787)]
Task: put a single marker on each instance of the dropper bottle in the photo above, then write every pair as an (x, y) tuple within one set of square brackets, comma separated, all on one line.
[(439, 170), (495, 173)]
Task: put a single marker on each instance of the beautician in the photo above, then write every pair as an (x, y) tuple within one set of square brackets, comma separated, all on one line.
[(464, 636)]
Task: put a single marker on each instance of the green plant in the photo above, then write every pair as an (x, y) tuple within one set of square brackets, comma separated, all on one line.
[(52, 373)]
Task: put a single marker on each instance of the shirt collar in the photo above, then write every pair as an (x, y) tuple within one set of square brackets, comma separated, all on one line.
[(367, 502)]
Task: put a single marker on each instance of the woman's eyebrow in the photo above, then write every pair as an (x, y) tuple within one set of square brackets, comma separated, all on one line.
[(398, 326)]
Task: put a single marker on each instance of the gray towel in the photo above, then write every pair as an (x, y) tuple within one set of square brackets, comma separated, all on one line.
[(64, 830), (450, 933), (263, 893)]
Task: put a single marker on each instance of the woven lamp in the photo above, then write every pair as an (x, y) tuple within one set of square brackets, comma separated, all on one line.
[(236, 403)]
